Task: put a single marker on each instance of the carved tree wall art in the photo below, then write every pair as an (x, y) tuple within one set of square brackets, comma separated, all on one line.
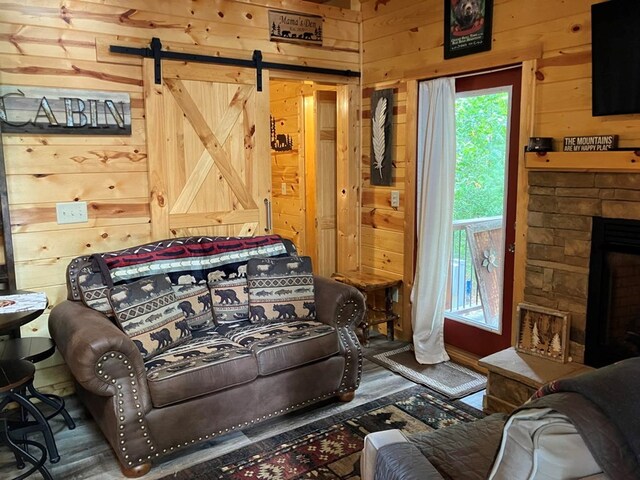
[(381, 136)]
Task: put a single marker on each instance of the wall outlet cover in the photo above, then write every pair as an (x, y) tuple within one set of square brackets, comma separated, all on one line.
[(71, 212), (395, 198)]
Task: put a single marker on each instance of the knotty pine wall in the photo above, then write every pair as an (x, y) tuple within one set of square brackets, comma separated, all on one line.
[(287, 109), (402, 42), (65, 44)]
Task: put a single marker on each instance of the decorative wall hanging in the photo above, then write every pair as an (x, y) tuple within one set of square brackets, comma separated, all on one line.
[(295, 27), (485, 243), (381, 136), (543, 332), (591, 143), (467, 27), (279, 141), (64, 111)]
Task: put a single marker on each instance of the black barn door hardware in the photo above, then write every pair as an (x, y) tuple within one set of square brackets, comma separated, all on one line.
[(155, 51)]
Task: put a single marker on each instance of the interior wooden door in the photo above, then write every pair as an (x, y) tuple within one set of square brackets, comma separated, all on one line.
[(326, 182), (208, 145)]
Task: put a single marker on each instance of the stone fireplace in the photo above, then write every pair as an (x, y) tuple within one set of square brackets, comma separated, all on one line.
[(561, 209), (613, 308)]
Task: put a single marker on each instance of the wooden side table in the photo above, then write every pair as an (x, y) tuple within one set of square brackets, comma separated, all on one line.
[(514, 377), (368, 283)]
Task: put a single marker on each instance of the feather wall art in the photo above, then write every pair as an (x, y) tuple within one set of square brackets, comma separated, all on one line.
[(381, 130)]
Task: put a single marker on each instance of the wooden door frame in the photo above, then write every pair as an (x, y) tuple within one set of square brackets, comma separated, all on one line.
[(527, 111), (348, 164)]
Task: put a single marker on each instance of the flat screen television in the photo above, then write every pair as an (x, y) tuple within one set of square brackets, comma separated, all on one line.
[(615, 57)]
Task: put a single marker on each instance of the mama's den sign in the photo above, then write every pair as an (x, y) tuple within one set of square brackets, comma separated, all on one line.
[(60, 111)]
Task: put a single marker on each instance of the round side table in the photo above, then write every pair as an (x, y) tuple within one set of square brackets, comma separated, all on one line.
[(31, 349)]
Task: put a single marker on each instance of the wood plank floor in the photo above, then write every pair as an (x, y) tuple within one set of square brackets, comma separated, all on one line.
[(85, 454)]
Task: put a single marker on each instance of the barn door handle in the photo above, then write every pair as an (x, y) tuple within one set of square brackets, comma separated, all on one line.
[(267, 205)]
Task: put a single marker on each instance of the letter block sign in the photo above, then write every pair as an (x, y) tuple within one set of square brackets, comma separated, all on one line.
[(56, 111)]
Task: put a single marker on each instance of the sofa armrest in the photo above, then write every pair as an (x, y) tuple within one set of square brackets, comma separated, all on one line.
[(403, 461), (97, 352), (338, 304), (342, 306)]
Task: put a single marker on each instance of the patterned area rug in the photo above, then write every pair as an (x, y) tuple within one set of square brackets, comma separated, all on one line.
[(448, 378), (329, 449)]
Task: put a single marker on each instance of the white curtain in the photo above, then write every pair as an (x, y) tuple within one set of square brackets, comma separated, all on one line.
[(435, 188)]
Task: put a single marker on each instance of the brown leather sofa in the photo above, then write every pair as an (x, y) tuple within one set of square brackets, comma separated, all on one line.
[(145, 419)]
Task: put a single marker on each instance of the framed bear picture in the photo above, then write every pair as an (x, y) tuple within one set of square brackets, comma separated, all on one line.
[(467, 27)]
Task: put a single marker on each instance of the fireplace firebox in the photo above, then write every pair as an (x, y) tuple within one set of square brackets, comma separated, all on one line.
[(613, 307)]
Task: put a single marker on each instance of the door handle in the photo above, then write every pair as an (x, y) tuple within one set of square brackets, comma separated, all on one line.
[(267, 205), (511, 248)]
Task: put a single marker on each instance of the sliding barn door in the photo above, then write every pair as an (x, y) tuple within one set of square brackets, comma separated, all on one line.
[(208, 144)]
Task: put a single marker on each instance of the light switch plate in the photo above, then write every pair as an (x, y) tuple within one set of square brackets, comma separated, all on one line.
[(283, 187), (71, 212), (395, 198)]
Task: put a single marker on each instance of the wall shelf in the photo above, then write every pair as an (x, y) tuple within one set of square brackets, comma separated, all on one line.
[(607, 161)]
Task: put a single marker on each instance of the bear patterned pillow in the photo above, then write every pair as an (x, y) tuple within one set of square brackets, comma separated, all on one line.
[(194, 302), (280, 289), (230, 300), (148, 313)]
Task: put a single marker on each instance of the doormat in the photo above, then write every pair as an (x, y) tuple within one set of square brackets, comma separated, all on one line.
[(447, 378), (330, 448)]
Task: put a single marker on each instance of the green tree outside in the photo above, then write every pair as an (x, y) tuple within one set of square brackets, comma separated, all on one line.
[(481, 146)]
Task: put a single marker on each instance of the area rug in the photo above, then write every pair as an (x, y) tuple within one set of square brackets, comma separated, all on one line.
[(447, 378), (329, 449)]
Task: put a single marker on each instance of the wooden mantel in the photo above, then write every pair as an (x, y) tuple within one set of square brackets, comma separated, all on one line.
[(607, 161)]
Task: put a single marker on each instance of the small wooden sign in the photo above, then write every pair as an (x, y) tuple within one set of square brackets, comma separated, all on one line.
[(62, 111), (593, 143), (295, 27)]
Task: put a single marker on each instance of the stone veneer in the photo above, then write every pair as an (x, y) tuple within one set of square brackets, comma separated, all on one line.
[(561, 207)]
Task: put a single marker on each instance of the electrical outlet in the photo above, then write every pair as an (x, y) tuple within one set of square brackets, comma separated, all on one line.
[(395, 198), (283, 186), (71, 212)]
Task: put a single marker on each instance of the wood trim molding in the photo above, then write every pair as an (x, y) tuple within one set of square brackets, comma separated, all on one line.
[(411, 156), (478, 62), (348, 177), (527, 112)]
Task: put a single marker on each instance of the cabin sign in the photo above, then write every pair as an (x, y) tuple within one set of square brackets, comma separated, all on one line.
[(62, 111), (295, 27)]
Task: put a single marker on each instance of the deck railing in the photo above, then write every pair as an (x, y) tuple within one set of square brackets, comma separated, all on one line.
[(463, 298)]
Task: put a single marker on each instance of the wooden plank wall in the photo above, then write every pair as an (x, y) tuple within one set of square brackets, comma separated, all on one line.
[(402, 41), (288, 167), (65, 44)]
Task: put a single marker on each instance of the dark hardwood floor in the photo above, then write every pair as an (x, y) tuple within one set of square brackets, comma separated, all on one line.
[(85, 454)]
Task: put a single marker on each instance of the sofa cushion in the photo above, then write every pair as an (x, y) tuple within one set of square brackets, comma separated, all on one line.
[(198, 367), (195, 303), (147, 311), (230, 300), (280, 289), (93, 292), (283, 345)]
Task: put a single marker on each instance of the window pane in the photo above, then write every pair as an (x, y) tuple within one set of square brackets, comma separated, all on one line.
[(482, 121)]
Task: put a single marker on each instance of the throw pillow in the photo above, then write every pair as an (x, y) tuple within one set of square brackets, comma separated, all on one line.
[(280, 289), (93, 291), (230, 300), (148, 313), (194, 302)]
